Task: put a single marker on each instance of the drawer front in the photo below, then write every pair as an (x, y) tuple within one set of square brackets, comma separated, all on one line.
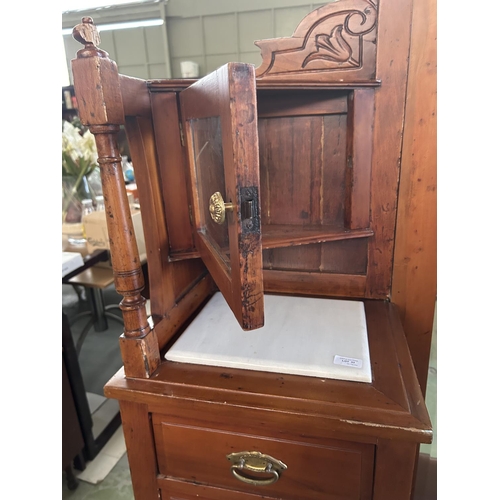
[(172, 489), (194, 454)]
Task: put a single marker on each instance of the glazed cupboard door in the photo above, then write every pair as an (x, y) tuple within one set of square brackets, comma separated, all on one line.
[(219, 116)]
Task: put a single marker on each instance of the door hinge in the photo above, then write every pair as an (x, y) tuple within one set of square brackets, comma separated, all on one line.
[(181, 133), (190, 210)]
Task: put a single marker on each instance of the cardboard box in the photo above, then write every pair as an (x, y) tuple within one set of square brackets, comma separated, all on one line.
[(96, 232)]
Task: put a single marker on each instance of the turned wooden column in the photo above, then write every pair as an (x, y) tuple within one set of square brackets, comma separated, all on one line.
[(97, 89)]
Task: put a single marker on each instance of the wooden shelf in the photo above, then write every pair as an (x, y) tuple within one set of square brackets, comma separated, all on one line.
[(276, 235), (183, 255), (285, 235)]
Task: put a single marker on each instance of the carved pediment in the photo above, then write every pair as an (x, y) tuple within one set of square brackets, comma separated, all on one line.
[(336, 42)]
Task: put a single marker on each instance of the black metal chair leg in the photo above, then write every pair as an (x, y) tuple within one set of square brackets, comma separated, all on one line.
[(82, 314), (71, 479), (83, 334)]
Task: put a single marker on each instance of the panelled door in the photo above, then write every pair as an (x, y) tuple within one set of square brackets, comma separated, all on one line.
[(219, 115)]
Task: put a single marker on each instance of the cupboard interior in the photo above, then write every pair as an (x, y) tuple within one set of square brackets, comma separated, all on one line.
[(306, 150)]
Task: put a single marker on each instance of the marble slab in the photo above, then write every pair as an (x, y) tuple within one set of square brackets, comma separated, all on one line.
[(324, 338)]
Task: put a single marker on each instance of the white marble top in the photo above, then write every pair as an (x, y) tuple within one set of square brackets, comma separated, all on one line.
[(324, 338)]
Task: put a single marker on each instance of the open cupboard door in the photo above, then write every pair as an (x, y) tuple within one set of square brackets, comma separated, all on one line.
[(219, 115)]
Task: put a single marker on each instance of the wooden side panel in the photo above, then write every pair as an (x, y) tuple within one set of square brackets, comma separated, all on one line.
[(415, 261), (416, 400), (138, 433), (386, 378), (394, 456), (140, 136), (169, 282), (173, 171), (392, 64)]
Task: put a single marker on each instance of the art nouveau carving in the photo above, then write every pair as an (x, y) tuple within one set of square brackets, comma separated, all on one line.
[(339, 37)]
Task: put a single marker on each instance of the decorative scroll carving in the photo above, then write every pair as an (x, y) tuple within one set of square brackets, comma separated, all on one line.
[(331, 48), (339, 37)]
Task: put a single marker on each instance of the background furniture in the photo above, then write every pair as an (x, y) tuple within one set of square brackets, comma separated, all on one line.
[(95, 280), (93, 439), (72, 438), (78, 418), (367, 434), (69, 109)]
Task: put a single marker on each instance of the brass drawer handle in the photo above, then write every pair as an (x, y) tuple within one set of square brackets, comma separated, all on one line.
[(217, 208), (255, 462)]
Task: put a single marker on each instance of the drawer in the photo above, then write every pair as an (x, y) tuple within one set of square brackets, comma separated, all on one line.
[(339, 470), (172, 489)]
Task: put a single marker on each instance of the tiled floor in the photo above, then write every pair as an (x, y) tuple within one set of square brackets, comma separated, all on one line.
[(117, 483), (116, 486)]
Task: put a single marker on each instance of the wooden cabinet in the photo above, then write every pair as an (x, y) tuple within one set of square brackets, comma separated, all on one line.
[(338, 439), (280, 179)]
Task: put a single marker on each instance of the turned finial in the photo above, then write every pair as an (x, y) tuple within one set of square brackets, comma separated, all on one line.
[(86, 32)]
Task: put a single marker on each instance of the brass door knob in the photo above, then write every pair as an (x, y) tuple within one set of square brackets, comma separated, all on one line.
[(218, 208)]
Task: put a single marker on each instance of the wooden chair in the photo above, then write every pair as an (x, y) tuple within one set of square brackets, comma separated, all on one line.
[(320, 222), (95, 280)]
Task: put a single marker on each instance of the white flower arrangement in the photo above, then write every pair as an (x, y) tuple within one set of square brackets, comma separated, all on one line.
[(79, 152), (79, 158)]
